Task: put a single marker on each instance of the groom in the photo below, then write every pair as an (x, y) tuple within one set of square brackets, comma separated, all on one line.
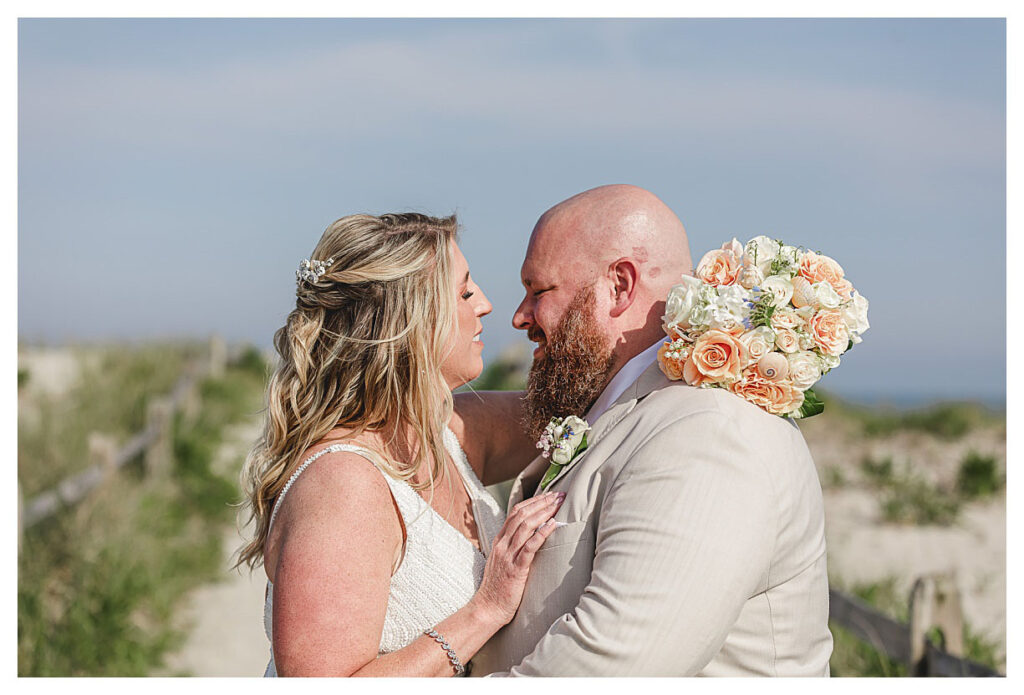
[(694, 539)]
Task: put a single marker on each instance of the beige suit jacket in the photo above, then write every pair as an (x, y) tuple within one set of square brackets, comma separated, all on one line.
[(694, 545)]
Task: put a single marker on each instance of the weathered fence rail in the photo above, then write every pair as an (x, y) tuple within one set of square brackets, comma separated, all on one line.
[(934, 602), (153, 442)]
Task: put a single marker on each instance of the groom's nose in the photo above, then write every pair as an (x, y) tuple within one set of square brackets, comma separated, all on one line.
[(523, 318)]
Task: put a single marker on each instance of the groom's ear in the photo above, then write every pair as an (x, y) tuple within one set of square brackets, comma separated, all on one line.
[(624, 275)]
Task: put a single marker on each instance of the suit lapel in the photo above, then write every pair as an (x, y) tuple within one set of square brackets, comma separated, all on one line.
[(648, 381), (527, 480)]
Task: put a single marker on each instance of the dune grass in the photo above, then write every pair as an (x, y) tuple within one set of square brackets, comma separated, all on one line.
[(98, 584), (110, 397)]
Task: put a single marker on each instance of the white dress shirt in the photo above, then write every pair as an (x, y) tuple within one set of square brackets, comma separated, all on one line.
[(629, 373)]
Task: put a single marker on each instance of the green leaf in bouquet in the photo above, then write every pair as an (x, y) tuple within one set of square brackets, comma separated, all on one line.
[(812, 405)]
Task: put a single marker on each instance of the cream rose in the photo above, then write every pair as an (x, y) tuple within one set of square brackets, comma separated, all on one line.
[(785, 318), (829, 332), (716, 357), (787, 340), (759, 342), (818, 268), (804, 369), (777, 397)]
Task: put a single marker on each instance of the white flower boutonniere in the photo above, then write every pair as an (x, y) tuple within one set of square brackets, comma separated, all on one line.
[(564, 439)]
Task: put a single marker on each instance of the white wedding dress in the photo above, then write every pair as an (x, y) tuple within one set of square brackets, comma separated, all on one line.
[(440, 570)]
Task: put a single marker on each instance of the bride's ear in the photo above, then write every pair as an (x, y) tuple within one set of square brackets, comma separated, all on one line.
[(623, 274)]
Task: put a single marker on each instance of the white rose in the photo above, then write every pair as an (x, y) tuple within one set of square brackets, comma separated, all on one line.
[(700, 315), (681, 300), (566, 442), (780, 287), (804, 369), (761, 251), (825, 295), (855, 314), (759, 342)]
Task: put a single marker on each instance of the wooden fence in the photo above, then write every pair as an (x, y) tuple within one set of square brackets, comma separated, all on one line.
[(934, 600), (934, 603), (154, 443)]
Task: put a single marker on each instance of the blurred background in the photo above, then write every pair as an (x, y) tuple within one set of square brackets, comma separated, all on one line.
[(172, 174)]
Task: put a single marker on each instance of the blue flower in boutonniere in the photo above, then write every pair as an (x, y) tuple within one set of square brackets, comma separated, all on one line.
[(564, 439)]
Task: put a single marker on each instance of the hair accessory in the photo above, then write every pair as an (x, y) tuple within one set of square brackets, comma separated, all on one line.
[(311, 271), (459, 668)]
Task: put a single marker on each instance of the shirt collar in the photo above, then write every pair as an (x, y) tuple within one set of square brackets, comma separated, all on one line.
[(629, 373)]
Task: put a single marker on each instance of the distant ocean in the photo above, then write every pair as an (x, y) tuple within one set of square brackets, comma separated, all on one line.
[(918, 400)]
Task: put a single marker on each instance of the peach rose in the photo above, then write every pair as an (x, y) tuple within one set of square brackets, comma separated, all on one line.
[(777, 397), (719, 267), (818, 268), (829, 332), (716, 357), (844, 289), (672, 367)]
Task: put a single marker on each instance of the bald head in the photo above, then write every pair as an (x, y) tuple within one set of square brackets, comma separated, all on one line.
[(619, 243), (619, 221)]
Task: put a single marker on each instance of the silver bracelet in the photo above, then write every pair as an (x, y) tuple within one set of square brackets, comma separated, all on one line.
[(459, 668)]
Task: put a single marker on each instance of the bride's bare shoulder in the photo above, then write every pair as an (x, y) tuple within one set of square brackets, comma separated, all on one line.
[(341, 495)]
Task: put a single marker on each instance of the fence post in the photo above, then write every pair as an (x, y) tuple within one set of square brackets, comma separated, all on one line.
[(218, 356), (103, 451), (935, 602), (191, 404), (158, 420)]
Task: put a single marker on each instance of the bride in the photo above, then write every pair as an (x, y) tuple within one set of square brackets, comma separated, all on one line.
[(384, 554)]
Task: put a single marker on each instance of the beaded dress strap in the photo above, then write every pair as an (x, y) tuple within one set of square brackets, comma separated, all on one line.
[(305, 464)]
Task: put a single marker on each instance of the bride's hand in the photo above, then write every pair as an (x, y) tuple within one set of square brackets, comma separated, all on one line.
[(508, 564)]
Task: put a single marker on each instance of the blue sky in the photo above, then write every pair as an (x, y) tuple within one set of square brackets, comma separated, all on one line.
[(172, 173)]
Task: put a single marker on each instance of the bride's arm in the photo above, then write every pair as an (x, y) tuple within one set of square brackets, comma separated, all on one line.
[(338, 531), (488, 424)]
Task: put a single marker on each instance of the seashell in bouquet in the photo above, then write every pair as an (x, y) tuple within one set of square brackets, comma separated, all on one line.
[(764, 320)]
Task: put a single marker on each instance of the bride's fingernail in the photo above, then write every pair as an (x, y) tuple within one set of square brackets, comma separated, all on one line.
[(559, 524)]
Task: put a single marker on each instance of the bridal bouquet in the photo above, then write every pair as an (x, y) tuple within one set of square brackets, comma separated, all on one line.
[(765, 321)]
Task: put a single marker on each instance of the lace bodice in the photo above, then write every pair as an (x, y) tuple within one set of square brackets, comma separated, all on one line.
[(440, 570)]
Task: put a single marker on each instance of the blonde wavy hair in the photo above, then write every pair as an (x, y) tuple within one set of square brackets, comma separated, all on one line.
[(362, 350)]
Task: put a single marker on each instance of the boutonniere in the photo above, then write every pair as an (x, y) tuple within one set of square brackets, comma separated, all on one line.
[(563, 440)]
